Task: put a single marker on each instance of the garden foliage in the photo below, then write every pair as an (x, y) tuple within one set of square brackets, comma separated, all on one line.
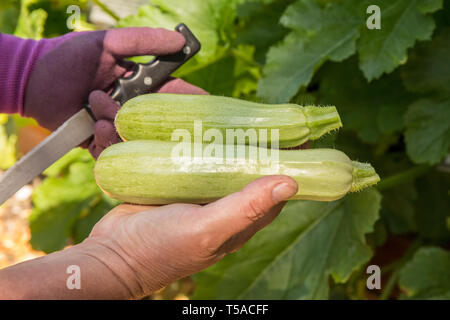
[(392, 89)]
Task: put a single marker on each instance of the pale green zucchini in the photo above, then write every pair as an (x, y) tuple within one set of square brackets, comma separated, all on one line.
[(156, 116), (145, 172)]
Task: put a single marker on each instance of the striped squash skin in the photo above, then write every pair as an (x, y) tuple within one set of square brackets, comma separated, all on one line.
[(145, 172), (156, 116)]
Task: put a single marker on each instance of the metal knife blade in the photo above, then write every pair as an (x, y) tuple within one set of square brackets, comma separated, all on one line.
[(69, 135)]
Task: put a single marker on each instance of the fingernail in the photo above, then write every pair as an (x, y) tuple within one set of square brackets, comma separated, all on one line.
[(283, 192)]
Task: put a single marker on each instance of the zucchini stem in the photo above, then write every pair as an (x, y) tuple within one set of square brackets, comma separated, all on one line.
[(321, 120), (364, 175)]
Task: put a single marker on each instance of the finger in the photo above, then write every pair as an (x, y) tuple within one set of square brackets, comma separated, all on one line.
[(105, 134), (181, 87), (236, 241), (110, 220), (103, 106), (128, 42), (94, 150), (253, 205), (86, 143)]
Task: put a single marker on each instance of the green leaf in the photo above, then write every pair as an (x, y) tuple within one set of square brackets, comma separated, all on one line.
[(31, 22), (89, 216), (327, 141), (259, 24), (428, 69), (210, 20), (433, 206), (399, 200), (427, 275), (8, 143), (67, 204), (319, 34), (380, 234), (229, 76), (216, 78), (441, 17), (62, 166), (428, 130), (428, 120), (348, 142), (294, 256), (369, 109), (9, 14), (57, 204), (56, 23), (219, 67), (399, 208), (402, 23)]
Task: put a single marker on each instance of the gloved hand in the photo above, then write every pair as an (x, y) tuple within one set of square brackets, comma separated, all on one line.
[(147, 248), (105, 109), (61, 81)]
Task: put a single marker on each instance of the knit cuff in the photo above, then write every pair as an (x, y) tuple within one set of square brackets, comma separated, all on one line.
[(17, 59)]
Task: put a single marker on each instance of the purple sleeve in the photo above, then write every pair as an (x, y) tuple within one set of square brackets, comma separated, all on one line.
[(17, 58)]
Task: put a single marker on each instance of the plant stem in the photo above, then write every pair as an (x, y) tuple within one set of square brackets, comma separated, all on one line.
[(106, 10), (390, 285), (396, 268), (403, 177)]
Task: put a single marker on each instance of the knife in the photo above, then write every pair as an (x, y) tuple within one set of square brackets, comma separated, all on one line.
[(78, 128)]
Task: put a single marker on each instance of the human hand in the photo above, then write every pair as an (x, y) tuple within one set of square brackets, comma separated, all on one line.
[(148, 248), (61, 81)]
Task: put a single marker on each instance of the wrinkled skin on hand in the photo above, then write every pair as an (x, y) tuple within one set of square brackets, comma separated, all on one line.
[(62, 80), (148, 248)]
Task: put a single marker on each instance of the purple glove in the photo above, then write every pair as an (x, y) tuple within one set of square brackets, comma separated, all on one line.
[(61, 81)]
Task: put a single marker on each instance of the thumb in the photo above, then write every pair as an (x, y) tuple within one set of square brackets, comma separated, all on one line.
[(249, 210), (128, 42)]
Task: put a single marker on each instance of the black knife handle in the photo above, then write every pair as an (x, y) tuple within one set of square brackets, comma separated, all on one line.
[(150, 76)]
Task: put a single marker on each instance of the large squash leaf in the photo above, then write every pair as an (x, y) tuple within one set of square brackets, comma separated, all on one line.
[(210, 20), (67, 204), (294, 257), (427, 275), (371, 110), (428, 69), (402, 23), (428, 130), (428, 120), (335, 30), (318, 34)]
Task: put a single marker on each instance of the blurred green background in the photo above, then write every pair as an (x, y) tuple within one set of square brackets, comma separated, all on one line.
[(391, 87)]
